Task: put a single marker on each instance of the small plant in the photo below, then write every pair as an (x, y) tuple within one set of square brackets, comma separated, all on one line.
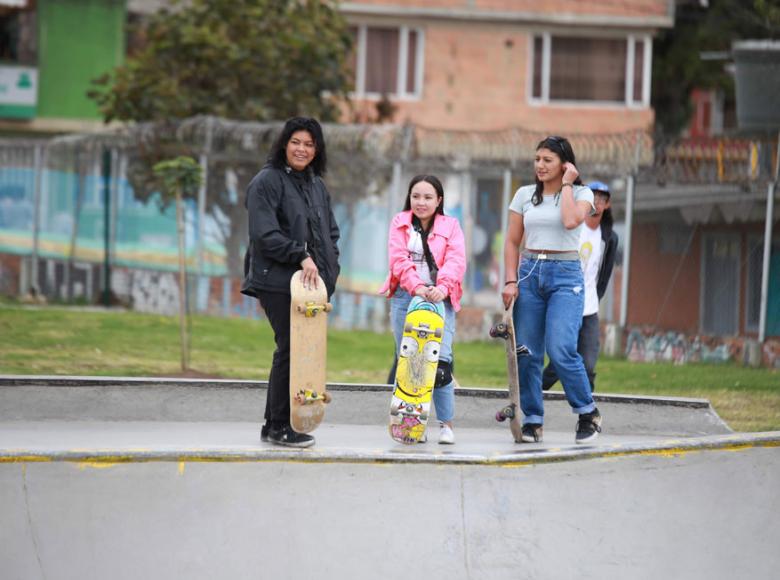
[(181, 177)]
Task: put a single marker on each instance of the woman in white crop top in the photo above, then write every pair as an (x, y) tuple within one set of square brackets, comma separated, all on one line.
[(547, 288)]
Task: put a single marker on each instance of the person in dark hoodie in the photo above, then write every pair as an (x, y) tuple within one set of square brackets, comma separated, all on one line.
[(598, 246), (291, 228)]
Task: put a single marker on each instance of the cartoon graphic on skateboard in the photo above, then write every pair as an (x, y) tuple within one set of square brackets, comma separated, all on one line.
[(506, 330), (308, 353), (416, 370)]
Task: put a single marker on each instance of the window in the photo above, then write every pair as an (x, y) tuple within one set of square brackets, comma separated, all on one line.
[(388, 61), (18, 40), (590, 69), (720, 284)]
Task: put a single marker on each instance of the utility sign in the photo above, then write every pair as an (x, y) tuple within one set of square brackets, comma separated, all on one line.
[(18, 92)]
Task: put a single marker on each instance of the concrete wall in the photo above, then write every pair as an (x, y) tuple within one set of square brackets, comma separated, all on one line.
[(707, 514), (653, 276), (665, 287)]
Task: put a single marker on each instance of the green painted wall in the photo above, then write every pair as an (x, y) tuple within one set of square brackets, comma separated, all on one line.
[(773, 303), (79, 40)]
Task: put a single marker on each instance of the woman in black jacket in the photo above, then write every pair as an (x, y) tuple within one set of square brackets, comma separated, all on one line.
[(291, 227)]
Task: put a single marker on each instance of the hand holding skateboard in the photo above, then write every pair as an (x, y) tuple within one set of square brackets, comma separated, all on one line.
[(309, 273)]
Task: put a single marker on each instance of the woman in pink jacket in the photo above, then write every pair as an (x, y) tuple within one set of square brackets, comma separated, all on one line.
[(435, 274)]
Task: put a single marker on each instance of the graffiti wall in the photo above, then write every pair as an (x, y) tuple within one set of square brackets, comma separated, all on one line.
[(648, 345), (149, 291)]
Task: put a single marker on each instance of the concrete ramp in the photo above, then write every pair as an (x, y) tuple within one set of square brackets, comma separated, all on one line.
[(98, 495)]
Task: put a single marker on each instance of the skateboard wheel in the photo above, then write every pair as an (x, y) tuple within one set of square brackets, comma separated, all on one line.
[(500, 417), (328, 307), (498, 331), (508, 412), (407, 327), (326, 397), (438, 333), (300, 308)]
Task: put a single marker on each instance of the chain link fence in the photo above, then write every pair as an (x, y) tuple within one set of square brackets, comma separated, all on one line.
[(82, 216)]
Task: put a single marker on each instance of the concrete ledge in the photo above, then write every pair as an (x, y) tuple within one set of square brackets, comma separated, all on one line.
[(524, 454), (482, 392), (186, 400)]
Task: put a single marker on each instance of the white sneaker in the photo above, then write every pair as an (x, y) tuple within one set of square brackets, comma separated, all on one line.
[(446, 436)]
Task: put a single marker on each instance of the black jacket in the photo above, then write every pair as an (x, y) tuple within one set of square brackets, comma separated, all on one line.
[(610, 239), (290, 215)]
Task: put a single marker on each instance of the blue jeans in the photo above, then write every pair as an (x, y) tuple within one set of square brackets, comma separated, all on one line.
[(444, 396), (588, 345), (547, 317)]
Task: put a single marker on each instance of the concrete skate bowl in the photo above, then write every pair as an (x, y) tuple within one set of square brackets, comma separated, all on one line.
[(159, 479)]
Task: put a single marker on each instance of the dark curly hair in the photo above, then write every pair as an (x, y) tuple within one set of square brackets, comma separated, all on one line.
[(278, 155)]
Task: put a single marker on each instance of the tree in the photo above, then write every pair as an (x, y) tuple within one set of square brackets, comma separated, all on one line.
[(678, 66), (240, 59), (254, 60), (180, 177)]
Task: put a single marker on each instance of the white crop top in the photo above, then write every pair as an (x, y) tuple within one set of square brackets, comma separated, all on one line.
[(543, 226)]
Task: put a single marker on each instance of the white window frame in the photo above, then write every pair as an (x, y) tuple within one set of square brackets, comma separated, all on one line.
[(628, 101), (400, 92)]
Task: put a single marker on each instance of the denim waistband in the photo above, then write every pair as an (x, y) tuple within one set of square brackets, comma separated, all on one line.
[(559, 257)]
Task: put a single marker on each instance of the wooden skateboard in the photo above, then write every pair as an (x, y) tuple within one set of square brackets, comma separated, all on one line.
[(506, 330), (415, 374), (308, 354)]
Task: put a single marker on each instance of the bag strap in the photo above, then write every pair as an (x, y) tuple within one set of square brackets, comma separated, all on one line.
[(426, 250)]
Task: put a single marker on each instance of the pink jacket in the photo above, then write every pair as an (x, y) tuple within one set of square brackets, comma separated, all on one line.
[(448, 249)]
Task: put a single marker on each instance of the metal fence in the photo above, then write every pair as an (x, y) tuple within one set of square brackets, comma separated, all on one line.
[(79, 210)]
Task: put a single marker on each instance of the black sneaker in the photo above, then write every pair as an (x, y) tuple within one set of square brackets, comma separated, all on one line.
[(532, 433), (264, 432), (588, 427), (289, 438)]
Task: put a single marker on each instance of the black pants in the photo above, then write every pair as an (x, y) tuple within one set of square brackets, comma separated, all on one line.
[(588, 345), (277, 402)]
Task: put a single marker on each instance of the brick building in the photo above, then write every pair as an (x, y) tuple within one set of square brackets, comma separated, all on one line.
[(567, 65)]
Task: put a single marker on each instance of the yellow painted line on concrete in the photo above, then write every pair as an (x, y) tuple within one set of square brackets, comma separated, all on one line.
[(668, 453), (25, 459), (92, 464), (83, 457)]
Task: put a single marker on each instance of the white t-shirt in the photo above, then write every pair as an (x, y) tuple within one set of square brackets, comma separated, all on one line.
[(417, 255), (590, 257), (542, 223)]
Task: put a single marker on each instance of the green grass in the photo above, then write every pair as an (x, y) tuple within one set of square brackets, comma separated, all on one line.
[(59, 341)]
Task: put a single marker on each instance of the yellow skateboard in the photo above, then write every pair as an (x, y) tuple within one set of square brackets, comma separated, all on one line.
[(308, 354), (416, 370)]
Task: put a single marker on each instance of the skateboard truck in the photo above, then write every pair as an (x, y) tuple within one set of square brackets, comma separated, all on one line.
[(499, 330), (409, 410), (307, 397), (310, 309), (423, 330), (507, 412)]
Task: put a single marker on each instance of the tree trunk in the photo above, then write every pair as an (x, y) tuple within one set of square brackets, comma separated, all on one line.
[(182, 284)]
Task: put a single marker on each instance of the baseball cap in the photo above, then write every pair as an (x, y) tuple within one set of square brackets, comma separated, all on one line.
[(599, 186)]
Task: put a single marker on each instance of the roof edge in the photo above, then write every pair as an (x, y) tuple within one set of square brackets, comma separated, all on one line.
[(511, 17)]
